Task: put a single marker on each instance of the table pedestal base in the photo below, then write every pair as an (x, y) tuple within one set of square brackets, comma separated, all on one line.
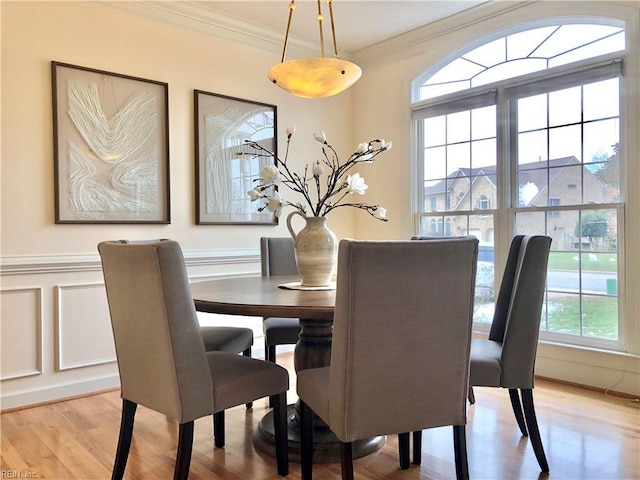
[(326, 444), (313, 350)]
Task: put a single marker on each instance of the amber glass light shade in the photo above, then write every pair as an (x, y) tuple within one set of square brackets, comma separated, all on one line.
[(315, 77)]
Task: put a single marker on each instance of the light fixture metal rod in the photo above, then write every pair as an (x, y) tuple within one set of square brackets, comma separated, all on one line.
[(292, 7), (333, 29), (320, 18)]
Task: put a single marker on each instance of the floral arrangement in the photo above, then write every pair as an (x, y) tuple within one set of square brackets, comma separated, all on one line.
[(330, 191)]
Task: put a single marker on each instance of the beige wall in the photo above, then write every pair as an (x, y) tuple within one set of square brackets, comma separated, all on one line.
[(85, 34)]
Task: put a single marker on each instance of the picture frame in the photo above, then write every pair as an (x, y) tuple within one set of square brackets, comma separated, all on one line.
[(111, 147), (223, 174)]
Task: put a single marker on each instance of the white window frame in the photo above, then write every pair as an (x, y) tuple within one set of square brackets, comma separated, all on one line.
[(504, 213)]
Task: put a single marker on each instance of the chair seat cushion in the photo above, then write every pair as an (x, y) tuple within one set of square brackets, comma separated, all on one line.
[(238, 379), (226, 339), (313, 387), (485, 369), (281, 331)]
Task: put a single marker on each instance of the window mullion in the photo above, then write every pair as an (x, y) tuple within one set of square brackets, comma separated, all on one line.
[(419, 197), (507, 147)]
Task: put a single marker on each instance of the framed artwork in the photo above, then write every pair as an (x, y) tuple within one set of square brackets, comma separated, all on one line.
[(111, 147), (223, 174)]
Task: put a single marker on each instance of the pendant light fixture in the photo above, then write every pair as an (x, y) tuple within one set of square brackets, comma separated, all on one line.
[(316, 77)]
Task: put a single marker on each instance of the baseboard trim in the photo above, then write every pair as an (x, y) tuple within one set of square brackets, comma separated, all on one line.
[(604, 391), (57, 393), (59, 400)]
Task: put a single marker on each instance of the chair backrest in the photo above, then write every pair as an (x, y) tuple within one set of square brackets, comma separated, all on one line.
[(401, 336), (161, 357), (499, 322), (277, 256), (516, 321)]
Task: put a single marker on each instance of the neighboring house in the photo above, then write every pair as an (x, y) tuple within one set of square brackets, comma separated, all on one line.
[(558, 182)]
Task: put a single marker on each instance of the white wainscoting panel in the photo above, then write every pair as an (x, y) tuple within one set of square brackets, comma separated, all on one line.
[(83, 326), (21, 327), (56, 340)]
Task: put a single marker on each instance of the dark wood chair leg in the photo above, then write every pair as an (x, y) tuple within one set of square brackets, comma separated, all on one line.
[(270, 351), (403, 450), (247, 353), (532, 427), (218, 429), (124, 440), (346, 460), (517, 410), (460, 452), (471, 396), (417, 447), (306, 441), (281, 433), (183, 458), (270, 356)]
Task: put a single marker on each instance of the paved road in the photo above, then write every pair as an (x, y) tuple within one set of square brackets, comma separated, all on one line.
[(594, 282)]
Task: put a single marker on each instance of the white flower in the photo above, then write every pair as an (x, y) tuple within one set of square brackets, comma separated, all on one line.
[(320, 137), (316, 198), (317, 169), (275, 204), (362, 148), (254, 194), (270, 174), (380, 213), (355, 184)]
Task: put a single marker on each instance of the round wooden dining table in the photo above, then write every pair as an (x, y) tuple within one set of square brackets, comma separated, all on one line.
[(264, 297)]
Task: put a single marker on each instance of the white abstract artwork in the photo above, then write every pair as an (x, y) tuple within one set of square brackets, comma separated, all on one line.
[(223, 125), (111, 148)]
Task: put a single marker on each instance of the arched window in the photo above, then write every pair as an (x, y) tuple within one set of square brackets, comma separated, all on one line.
[(526, 127), (521, 53)]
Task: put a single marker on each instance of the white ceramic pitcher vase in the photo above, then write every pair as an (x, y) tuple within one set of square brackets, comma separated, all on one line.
[(316, 249)]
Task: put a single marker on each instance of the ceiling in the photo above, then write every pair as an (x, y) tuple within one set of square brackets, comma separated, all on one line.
[(359, 23)]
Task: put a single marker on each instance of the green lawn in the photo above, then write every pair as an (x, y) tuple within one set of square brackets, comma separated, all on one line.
[(599, 315), (592, 261)]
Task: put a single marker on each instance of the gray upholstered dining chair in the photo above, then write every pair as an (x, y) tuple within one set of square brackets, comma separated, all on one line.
[(161, 357), (227, 339), (278, 258), (507, 358), (414, 302)]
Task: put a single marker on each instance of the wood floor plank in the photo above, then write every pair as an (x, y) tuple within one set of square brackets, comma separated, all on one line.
[(586, 435)]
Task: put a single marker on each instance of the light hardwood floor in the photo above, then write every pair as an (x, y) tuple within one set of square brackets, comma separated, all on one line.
[(586, 435)]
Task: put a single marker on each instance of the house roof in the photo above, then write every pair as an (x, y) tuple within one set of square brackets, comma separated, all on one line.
[(534, 172)]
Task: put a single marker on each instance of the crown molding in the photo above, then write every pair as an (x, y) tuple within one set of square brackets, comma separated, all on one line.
[(417, 41), (194, 16)]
